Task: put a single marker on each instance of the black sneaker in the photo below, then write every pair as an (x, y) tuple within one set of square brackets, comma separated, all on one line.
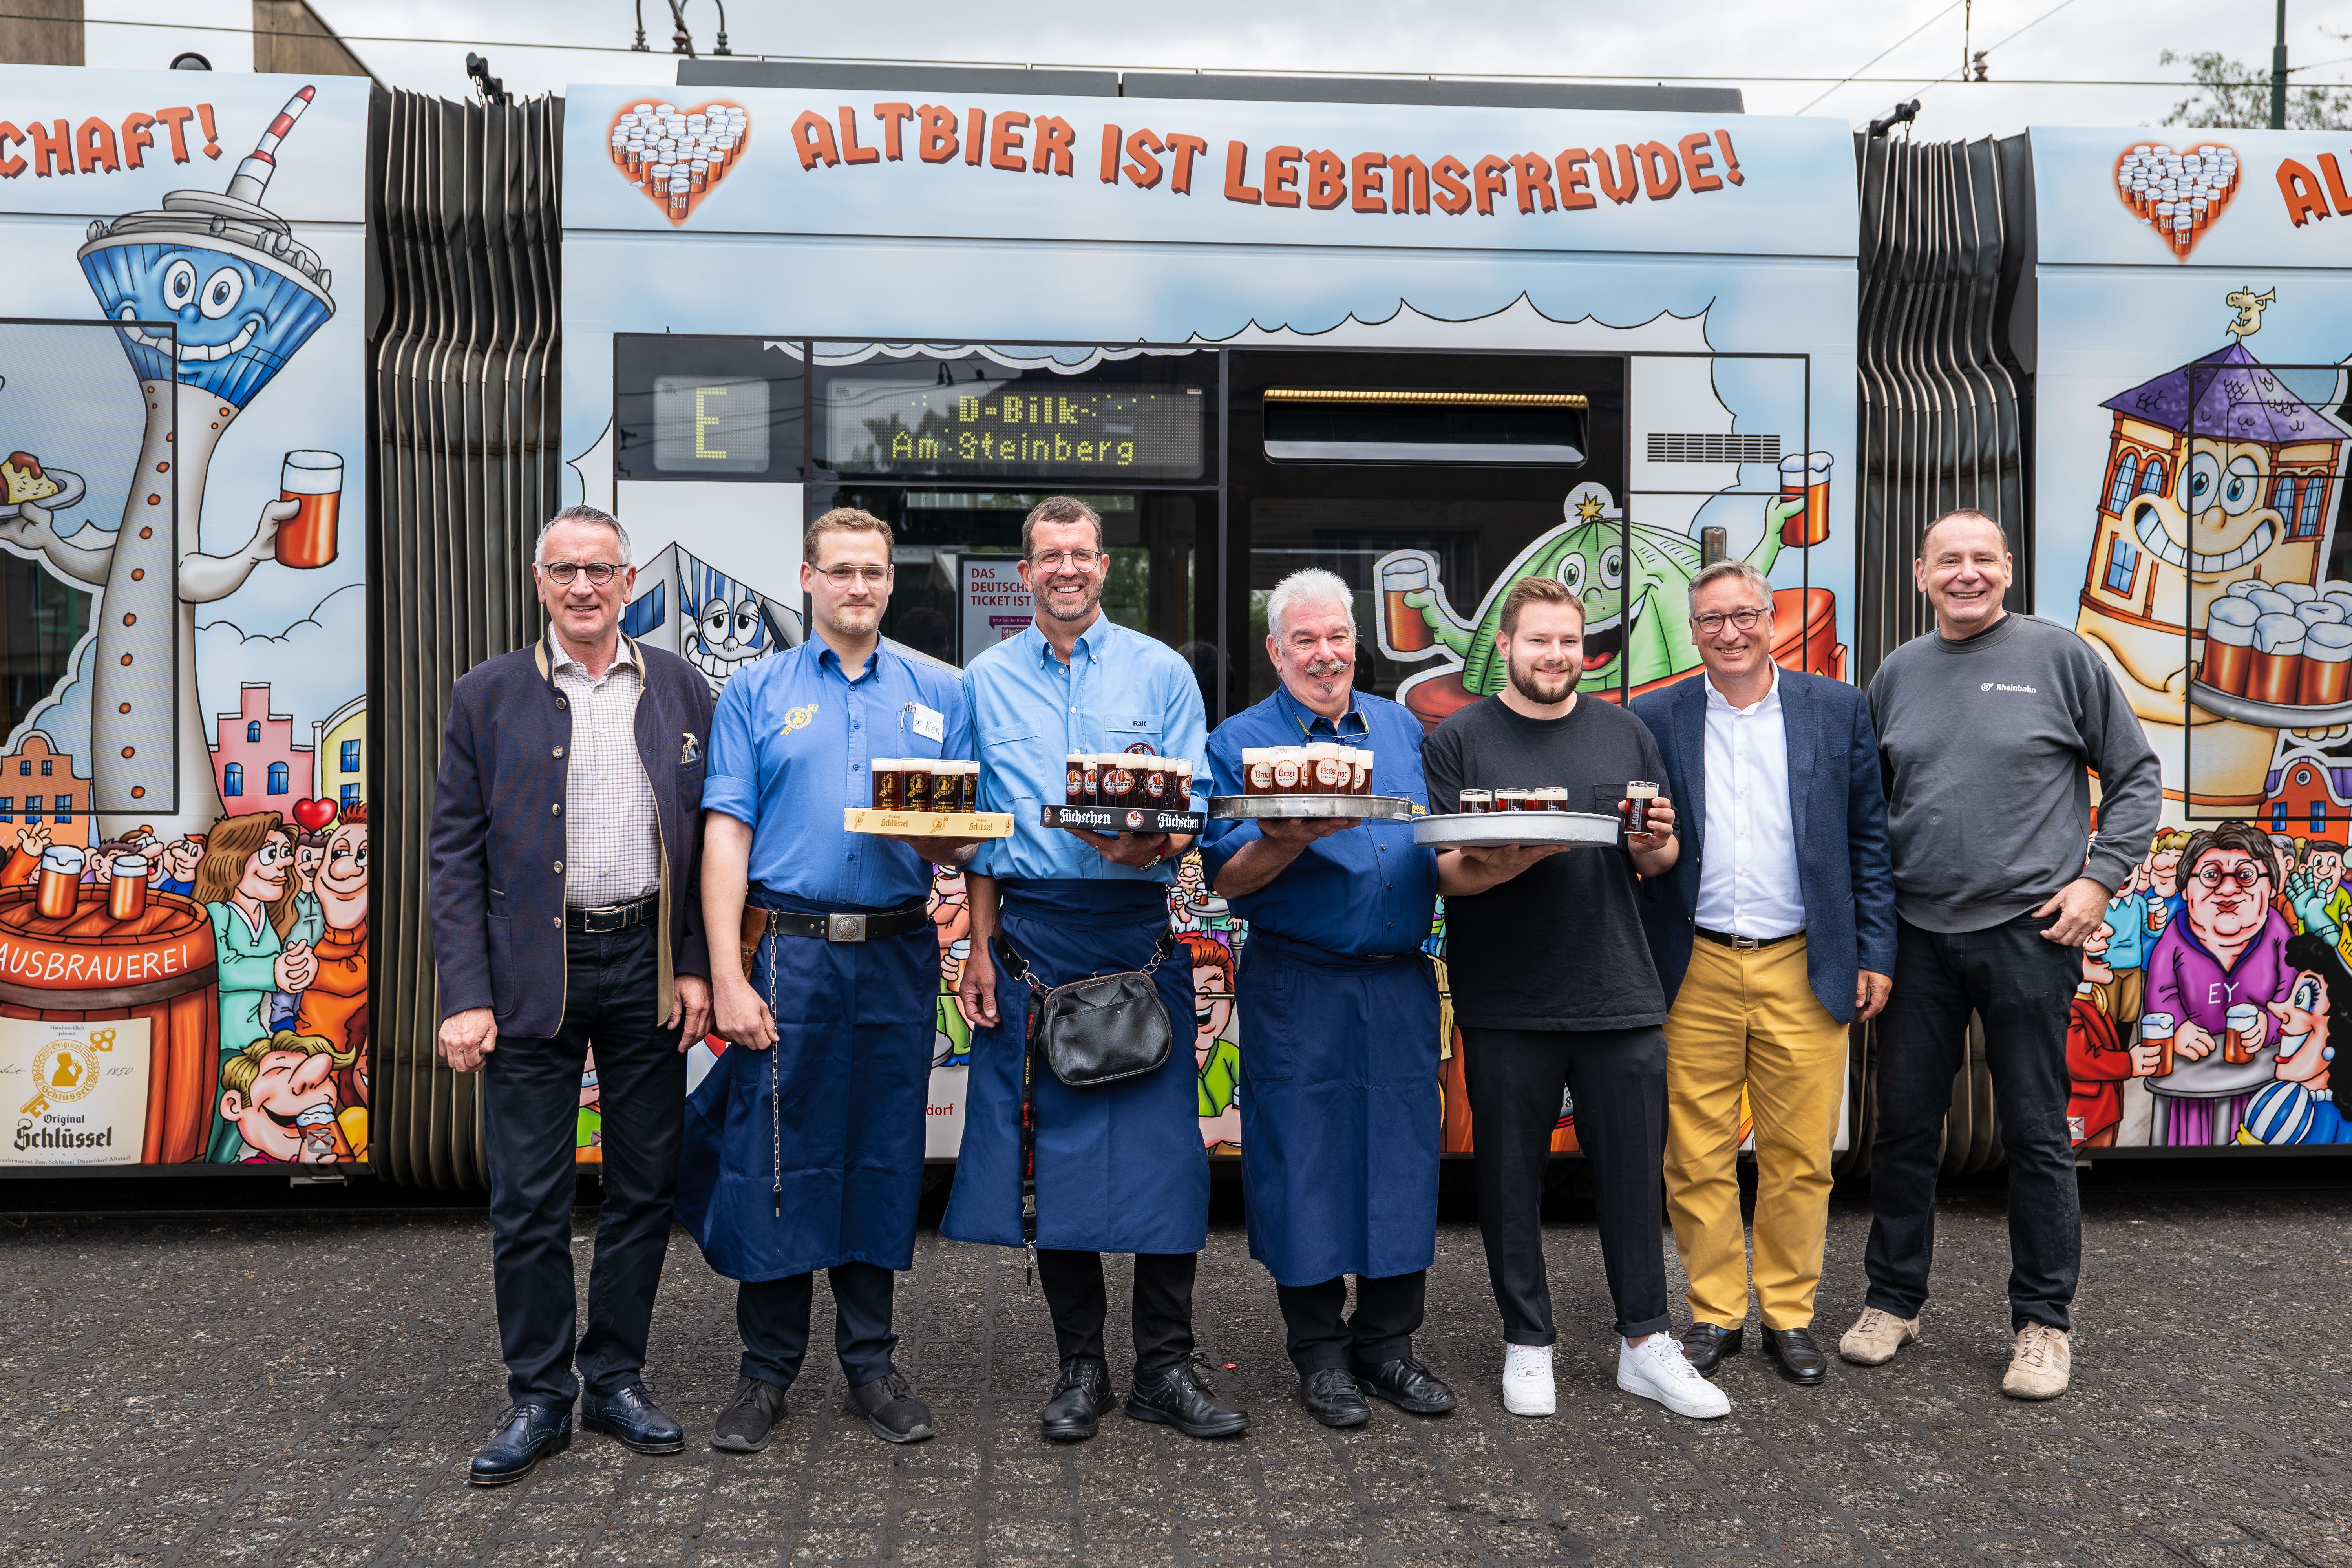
[(1407, 1384), (1180, 1397), (890, 1407), (743, 1427)]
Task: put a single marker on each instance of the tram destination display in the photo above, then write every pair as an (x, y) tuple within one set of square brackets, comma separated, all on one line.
[(1014, 430)]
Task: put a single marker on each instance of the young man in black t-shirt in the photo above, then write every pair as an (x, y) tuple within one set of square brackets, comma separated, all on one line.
[(1553, 986)]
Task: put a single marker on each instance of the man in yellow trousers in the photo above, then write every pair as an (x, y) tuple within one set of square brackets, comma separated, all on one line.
[(1773, 932)]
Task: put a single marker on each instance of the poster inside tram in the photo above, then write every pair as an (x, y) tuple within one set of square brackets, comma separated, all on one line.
[(183, 840), (943, 308)]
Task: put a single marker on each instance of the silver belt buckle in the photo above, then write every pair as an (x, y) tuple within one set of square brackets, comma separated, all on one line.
[(845, 927), (1745, 944)]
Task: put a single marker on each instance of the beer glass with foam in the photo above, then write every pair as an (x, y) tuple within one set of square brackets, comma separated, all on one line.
[(1639, 794), (1806, 475), (1407, 631), (314, 481), (2230, 644), (2276, 675), (2326, 661), (2158, 1029), (2244, 1034)]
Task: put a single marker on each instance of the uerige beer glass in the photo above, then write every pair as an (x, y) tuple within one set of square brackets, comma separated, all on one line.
[(1408, 632), (314, 481), (1639, 794)]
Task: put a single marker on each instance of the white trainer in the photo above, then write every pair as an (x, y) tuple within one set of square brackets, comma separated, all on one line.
[(1656, 1369), (1527, 1380)]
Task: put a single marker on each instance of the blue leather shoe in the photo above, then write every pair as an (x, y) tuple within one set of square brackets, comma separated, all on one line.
[(630, 1418), (528, 1433)]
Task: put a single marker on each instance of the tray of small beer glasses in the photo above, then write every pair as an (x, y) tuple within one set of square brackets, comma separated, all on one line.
[(925, 797), (1323, 780), (1500, 818)]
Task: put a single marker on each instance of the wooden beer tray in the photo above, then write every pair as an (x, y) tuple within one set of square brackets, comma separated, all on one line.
[(927, 824), (1501, 829), (1258, 806), (1122, 819)]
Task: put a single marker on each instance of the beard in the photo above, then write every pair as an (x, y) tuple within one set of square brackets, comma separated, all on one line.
[(1545, 687), (1090, 596)]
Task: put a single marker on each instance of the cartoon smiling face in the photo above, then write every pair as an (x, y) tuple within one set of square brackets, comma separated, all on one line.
[(287, 1084), (343, 876), (2215, 516), (2303, 1052), (237, 315)]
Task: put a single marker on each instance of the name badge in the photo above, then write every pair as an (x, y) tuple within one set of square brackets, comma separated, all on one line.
[(930, 723)]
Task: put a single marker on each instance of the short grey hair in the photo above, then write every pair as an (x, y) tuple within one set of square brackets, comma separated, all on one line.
[(1309, 586), (1717, 571), (587, 514)]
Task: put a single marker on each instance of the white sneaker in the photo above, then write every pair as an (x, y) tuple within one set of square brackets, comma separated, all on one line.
[(1656, 1369), (1527, 1380)]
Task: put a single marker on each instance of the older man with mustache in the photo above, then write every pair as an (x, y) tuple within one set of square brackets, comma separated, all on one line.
[(1339, 1108)]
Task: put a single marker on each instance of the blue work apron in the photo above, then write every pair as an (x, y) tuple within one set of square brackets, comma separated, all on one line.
[(853, 1045), (1339, 1110), (1119, 1168)]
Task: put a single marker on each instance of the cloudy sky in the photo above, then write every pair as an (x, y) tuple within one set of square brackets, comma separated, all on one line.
[(1787, 57)]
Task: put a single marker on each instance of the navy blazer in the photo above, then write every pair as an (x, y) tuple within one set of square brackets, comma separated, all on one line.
[(1837, 804), (499, 841)]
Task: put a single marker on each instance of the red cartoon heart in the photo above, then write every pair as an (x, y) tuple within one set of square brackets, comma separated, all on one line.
[(2178, 191), (677, 156), (314, 815)]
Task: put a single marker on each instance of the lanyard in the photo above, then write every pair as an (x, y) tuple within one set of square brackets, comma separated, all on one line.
[(1307, 726)]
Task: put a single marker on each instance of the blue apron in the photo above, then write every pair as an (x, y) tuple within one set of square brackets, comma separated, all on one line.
[(1119, 1168), (1339, 1110), (853, 1045)]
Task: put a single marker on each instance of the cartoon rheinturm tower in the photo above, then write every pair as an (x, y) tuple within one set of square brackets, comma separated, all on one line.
[(2220, 484), (242, 295)]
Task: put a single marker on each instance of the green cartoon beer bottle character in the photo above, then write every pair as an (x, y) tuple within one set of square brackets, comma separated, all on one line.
[(1633, 600)]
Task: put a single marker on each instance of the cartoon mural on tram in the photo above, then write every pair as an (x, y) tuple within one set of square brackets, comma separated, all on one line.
[(184, 802)]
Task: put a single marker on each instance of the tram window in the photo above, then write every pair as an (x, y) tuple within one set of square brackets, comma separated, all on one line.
[(1409, 424)]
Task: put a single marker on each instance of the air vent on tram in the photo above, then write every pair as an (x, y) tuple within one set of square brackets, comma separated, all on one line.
[(1307, 425)]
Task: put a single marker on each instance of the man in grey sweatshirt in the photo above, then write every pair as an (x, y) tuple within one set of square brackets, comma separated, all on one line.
[(1987, 730)]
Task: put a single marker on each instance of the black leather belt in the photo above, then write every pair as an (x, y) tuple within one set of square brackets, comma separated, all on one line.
[(613, 917), (849, 928), (1745, 944)]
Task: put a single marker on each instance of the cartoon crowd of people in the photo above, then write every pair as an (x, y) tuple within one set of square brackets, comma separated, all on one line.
[(2202, 1015)]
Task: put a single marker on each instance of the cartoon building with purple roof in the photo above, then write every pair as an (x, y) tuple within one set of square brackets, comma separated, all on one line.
[(2221, 483)]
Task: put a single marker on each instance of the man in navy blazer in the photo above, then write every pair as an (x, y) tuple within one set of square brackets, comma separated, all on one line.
[(1772, 934), (567, 827)]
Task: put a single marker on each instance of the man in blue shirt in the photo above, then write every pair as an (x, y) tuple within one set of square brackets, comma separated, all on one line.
[(1118, 1166), (1340, 1112), (805, 1145)]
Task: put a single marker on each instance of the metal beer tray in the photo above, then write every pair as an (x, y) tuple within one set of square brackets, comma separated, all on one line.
[(1497, 829), (1393, 807)]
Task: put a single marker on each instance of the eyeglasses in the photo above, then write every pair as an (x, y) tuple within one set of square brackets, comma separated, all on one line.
[(843, 576), (1053, 560), (2242, 875), (561, 573), (1745, 620)]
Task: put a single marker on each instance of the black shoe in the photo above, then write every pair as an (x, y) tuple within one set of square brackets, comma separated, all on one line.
[(528, 1433), (1180, 1397), (743, 1426), (1407, 1384), (1080, 1396), (1332, 1397), (630, 1418), (890, 1407), (1704, 1346), (1793, 1352)]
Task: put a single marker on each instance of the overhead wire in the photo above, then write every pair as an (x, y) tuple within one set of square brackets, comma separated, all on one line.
[(1887, 51)]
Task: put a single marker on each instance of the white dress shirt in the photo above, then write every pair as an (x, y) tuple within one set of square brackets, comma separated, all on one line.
[(612, 833), (1748, 877)]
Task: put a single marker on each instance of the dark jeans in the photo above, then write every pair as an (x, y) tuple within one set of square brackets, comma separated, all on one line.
[(530, 1115), (1163, 1306), (1617, 1079), (2020, 986), (1322, 1334), (774, 1316)]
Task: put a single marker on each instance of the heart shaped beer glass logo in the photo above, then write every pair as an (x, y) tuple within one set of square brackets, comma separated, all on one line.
[(2178, 191), (677, 156)]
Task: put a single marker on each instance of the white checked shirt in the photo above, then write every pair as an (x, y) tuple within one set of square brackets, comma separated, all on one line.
[(1748, 882), (612, 834)]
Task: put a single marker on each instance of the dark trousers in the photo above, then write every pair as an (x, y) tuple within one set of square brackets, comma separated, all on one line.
[(2020, 986), (773, 1315), (1322, 1335), (1162, 1307), (530, 1113), (1618, 1080)]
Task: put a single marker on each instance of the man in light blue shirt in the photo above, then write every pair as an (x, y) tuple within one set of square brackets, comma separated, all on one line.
[(805, 1145), (1119, 1166)]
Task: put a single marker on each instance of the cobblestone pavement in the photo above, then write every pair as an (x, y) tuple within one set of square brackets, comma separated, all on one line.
[(307, 1390)]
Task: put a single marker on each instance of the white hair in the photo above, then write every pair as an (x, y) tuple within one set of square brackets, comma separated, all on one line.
[(587, 514), (1310, 586)]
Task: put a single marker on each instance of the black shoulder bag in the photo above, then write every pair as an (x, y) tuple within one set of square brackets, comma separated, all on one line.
[(1091, 1032)]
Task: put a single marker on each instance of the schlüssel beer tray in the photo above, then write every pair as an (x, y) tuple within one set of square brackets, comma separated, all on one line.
[(1497, 829), (927, 824), (1288, 806), (1123, 819)]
